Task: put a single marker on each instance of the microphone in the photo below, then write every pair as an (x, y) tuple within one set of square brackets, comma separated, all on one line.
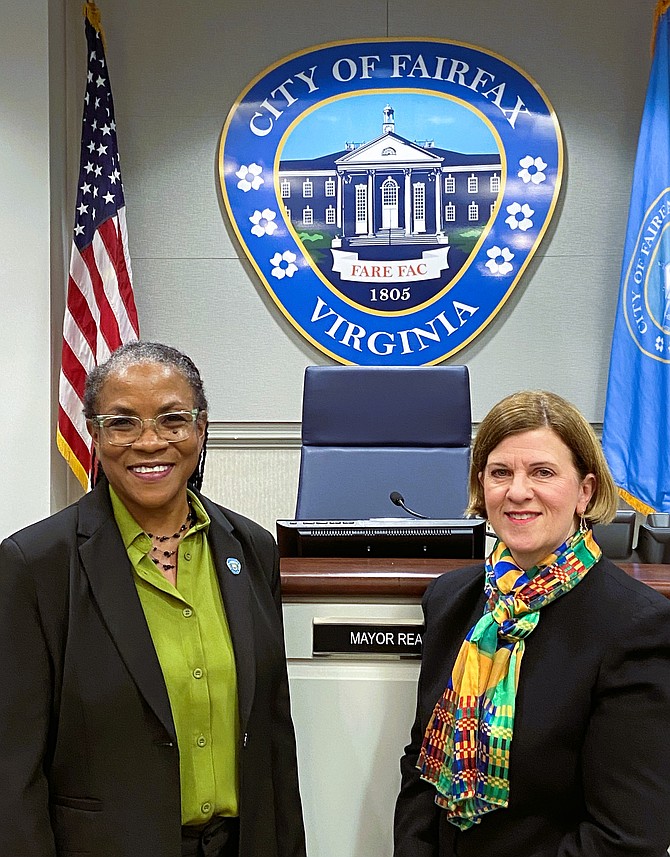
[(398, 500)]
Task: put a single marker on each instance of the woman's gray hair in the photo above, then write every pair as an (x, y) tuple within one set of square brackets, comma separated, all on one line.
[(133, 353)]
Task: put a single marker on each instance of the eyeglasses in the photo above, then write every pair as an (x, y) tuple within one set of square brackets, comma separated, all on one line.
[(125, 429)]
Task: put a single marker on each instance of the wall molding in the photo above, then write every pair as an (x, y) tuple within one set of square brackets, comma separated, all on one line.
[(265, 434), (257, 434)]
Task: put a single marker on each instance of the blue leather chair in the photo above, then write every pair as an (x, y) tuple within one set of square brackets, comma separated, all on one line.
[(368, 431)]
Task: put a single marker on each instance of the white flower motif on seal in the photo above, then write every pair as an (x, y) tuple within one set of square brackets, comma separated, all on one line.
[(264, 222), (499, 260), (283, 264), (249, 177), (519, 216), (532, 170), (659, 343)]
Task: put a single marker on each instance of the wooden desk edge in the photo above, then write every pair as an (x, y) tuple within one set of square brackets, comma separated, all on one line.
[(401, 578)]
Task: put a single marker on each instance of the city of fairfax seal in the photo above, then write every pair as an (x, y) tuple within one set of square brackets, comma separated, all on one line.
[(391, 193)]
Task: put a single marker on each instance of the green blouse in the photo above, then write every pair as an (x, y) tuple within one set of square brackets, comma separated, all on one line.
[(191, 636)]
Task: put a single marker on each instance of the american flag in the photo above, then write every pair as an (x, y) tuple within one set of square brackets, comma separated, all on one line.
[(100, 314)]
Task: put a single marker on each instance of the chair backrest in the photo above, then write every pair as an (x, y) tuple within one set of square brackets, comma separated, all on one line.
[(616, 539), (368, 431), (654, 538)]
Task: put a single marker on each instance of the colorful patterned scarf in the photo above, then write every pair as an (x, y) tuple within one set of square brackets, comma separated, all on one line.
[(466, 748)]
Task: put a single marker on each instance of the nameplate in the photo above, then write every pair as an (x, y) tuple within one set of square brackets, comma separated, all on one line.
[(367, 637)]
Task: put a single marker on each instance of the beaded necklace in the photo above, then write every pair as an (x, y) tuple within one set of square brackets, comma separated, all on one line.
[(160, 549)]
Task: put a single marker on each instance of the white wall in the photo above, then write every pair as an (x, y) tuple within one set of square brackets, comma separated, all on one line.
[(25, 285)]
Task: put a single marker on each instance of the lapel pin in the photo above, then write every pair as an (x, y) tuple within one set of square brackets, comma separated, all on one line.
[(234, 565)]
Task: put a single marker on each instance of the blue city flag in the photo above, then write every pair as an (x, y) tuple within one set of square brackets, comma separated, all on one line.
[(636, 429)]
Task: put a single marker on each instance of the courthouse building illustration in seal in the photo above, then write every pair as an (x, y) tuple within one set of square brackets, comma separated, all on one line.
[(390, 192)]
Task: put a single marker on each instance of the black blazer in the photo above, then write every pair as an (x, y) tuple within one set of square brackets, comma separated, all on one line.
[(89, 763), (590, 756)]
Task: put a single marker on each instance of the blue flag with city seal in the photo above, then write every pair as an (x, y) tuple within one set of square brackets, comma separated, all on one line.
[(636, 429)]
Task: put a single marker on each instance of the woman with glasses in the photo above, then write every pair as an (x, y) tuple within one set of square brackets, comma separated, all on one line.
[(144, 707)]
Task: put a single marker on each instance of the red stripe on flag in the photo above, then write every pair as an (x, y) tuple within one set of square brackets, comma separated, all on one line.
[(81, 313), (73, 439), (110, 233), (73, 370), (109, 326)]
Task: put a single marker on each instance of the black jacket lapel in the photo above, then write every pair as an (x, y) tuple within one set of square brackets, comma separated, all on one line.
[(236, 592), (106, 564)]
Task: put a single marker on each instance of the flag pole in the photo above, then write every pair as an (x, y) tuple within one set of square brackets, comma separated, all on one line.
[(92, 15)]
